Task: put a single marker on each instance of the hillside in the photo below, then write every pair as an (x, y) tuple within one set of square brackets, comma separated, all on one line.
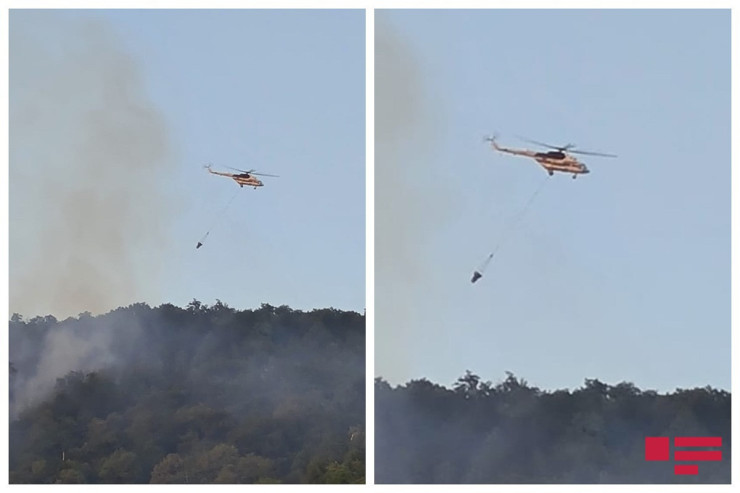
[(201, 394), (512, 432)]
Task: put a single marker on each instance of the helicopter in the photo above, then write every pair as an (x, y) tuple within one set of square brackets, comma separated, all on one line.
[(243, 178), (556, 159)]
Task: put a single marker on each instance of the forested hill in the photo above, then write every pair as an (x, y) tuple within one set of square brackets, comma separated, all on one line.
[(202, 394), (511, 432)]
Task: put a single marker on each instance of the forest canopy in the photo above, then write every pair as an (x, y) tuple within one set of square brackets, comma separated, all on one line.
[(512, 432), (201, 394)]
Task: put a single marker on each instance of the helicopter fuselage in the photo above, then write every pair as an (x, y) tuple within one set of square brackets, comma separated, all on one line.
[(566, 164), (552, 160), (243, 179), (247, 179)]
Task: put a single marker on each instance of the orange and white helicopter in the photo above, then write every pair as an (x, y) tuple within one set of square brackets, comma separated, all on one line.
[(243, 178), (557, 159)]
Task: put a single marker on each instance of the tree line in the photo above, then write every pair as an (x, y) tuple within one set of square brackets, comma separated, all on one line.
[(511, 432), (201, 394)]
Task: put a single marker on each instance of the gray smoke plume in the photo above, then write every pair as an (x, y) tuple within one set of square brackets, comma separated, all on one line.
[(72, 346), (87, 154), (410, 201)]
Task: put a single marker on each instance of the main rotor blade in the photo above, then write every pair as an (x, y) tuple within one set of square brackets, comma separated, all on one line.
[(251, 172), (237, 169), (568, 148), (542, 144), (589, 153)]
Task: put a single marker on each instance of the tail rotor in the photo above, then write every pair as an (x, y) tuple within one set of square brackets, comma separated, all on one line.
[(490, 138)]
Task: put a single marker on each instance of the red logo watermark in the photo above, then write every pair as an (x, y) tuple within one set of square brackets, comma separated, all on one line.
[(658, 449)]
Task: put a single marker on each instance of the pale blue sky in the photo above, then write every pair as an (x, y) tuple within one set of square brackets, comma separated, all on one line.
[(279, 91), (619, 275), (623, 274)]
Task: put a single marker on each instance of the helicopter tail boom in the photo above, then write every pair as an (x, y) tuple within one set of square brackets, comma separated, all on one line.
[(219, 173), (516, 152)]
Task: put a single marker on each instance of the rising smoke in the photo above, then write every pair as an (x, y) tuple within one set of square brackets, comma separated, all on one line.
[(88, 150), (400, 122), (286, 385), (83, 345), (412, 200)]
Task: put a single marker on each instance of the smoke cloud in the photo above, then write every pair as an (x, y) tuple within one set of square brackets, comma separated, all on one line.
[(88, 150), (399, 121), (411, 202), (72, 346)]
